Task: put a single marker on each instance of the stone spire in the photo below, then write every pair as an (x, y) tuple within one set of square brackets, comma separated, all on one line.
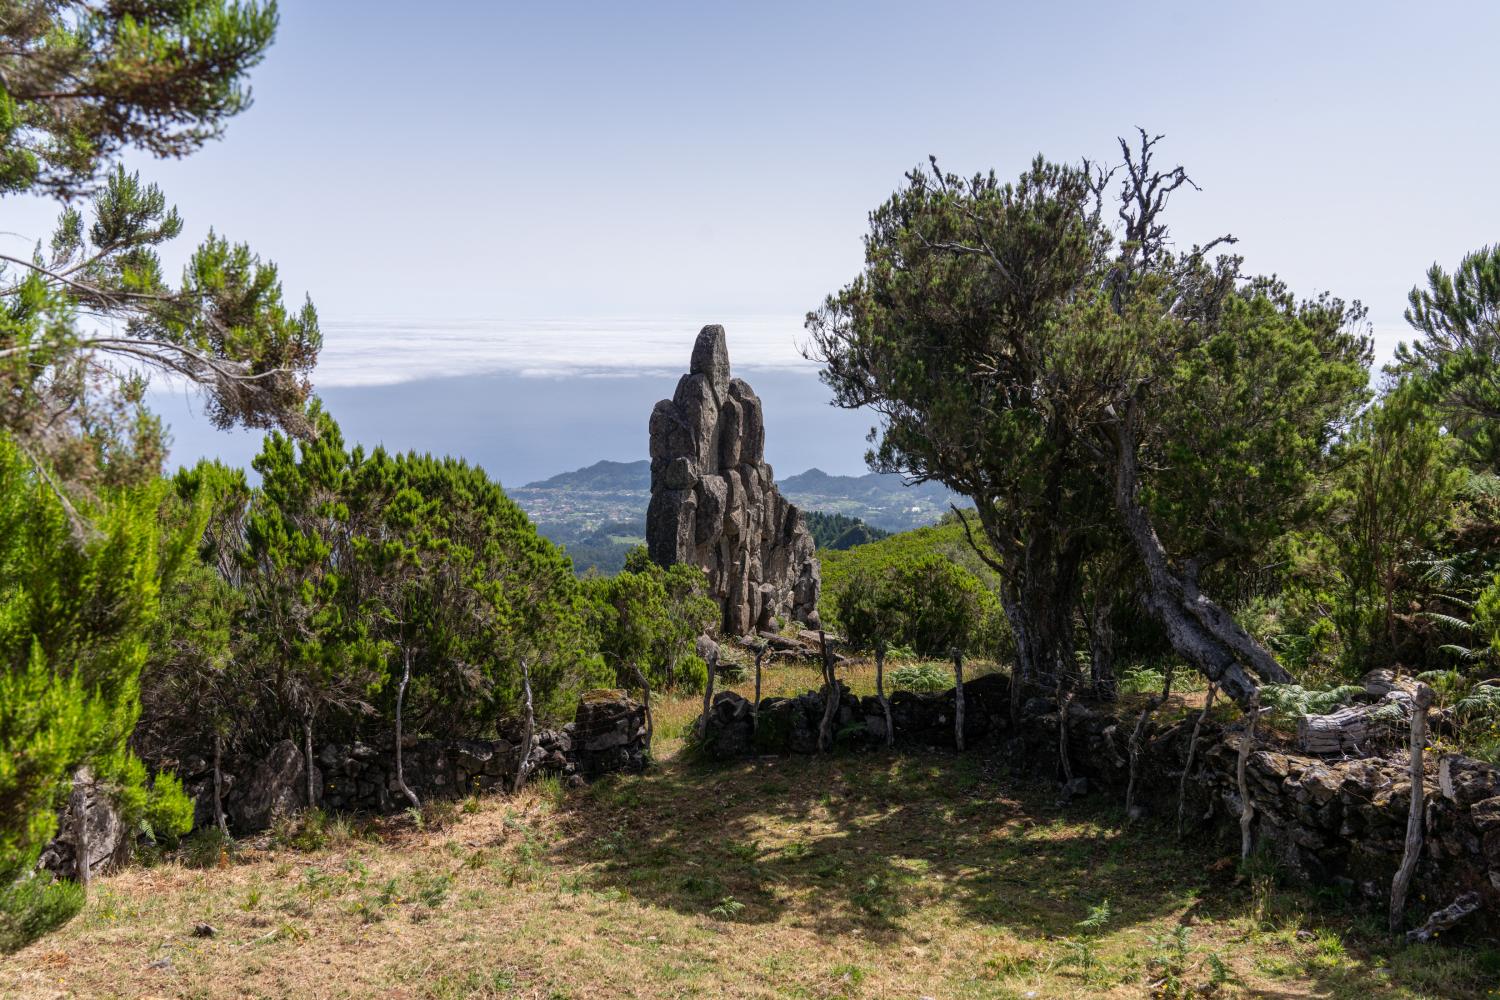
[(714, 501)]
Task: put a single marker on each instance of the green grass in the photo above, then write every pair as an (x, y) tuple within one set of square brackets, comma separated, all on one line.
[(863, 875)]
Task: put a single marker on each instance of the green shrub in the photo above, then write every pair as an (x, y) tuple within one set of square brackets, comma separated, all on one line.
[(35, 905), (692, 674), (169, 810), (205, 847), (921, 677), (315, 829)]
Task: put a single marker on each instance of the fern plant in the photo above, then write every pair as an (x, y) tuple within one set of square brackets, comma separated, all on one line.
[(1291, 701)]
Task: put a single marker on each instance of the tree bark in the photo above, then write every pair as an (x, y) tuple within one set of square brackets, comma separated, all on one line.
[(830, 695), (529, 727), (1247, 810), (219, 784), (1200, 630), (307, 753), (411, 796), (81, 866), (1187, 767), (1040, 583), (885, 704), (958, 699), (1040, 614), (1414, 814)]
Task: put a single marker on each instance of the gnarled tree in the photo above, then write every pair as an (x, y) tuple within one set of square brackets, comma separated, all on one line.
[(1075, 385)]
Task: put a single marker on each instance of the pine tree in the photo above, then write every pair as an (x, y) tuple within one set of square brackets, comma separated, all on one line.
[(76, 609)]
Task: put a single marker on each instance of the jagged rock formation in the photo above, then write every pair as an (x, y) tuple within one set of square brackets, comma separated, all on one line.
[(714, 501)]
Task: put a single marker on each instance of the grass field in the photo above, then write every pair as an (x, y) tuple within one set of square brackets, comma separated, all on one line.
[(873, 875)]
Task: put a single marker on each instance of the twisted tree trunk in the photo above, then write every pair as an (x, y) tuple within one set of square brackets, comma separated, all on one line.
[(1200, 630)]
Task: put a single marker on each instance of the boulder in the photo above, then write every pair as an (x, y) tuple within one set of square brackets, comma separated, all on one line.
[(109, 842), (276, 787)]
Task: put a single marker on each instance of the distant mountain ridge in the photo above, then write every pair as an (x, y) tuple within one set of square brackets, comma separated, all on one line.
[(599, 510), (603, 476)]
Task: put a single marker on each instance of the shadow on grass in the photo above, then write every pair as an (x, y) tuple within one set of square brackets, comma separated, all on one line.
[(866, 842)]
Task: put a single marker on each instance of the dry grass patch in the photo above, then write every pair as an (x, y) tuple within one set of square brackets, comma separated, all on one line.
[(849, 876)]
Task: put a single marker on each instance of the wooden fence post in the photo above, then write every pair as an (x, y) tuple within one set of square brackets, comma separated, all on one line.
[(1247, 738), (760, 654), (958, 699), (1187, 767), (1414, 815), (526, 732), (885, 703), (830, 696)]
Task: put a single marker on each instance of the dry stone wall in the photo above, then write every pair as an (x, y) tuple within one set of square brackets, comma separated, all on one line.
[(608, 733), (714, 501)]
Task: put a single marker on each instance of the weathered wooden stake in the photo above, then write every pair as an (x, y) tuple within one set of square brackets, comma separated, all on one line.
[(646, 695), (1414, 815), (1137, 742), (411, 796), (1187, 767), (958, 699), (830, 696), (1136, 739), (307, 753), (1247, 810), (524, 750), (81, 866), (219, 783), (708, 694), (1064, 700), (760, 654), (885, 704)]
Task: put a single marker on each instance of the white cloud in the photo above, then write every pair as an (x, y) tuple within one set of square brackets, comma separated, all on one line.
[(385, 351)]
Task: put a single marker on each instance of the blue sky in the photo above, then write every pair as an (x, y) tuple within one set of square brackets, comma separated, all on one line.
[(460, 185)]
